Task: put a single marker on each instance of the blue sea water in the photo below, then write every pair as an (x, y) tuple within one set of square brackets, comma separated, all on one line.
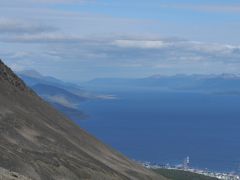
[(165, 127)]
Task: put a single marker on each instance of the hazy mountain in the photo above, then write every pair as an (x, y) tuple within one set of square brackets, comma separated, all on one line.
[(39, 142), (32, 77), (31, 73), (64, 96), (49, 92), (63, 100), (222, 83)]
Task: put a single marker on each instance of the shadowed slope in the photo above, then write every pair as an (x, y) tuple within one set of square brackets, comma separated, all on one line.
[(39, 142)]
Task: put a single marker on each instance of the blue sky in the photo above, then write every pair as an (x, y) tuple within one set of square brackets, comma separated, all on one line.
[(78, 40)]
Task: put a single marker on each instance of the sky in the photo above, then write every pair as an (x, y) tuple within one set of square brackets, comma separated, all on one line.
[(79, 40)]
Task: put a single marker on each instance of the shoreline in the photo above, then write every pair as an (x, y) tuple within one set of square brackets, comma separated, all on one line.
[(213, 174)]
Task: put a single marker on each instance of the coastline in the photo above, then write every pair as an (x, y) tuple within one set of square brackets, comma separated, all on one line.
[(183, 168)]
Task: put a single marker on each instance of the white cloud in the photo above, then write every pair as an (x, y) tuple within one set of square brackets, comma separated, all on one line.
[(22, 3), (17, 67), (122, 52), (205, 7), (140, 44), (20, 54), (62, 100), (214, 48), (22, 27), (97, 56), (51, 39), (42, 38)]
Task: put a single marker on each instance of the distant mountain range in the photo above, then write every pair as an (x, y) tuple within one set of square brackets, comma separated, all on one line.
[(32, 77), (64, 96), (223, 83), (67, 97)]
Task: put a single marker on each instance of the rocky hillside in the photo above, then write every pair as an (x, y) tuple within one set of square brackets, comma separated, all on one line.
[(9, 175), (40, 143)]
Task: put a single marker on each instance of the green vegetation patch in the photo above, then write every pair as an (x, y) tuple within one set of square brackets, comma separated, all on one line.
[(181, 175)]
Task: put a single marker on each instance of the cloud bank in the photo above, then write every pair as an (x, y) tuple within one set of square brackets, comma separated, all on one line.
[(74, 43), (163, 55), (10, 26)]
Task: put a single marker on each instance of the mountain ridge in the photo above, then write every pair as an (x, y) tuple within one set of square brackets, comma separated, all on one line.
[(218, 83), (9, 76)]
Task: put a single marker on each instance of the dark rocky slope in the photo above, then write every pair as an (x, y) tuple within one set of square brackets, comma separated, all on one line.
[(39, 142)]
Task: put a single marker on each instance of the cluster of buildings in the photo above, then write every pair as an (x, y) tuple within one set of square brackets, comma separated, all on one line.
[(185, 166)]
